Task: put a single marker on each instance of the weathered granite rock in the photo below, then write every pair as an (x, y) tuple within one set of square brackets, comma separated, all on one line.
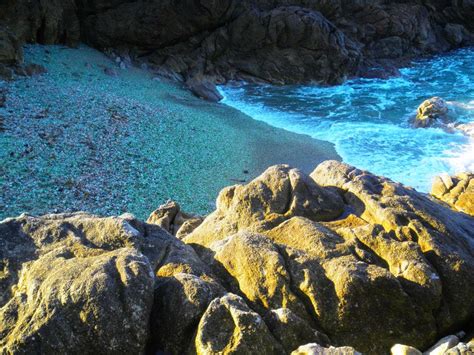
[(431, 111), (229, 326), (11, 53), (74, 283), (80, 283), (457, 191), (316, 349), (277, 195), (443, 345), (171, 218), (10, 48), (409, 258), (291, 330), (45, 21), (285, 260), (180, 302), (204, 88), (399, 349)]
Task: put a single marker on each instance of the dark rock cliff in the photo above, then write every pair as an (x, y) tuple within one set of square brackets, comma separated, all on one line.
[(273, 41)]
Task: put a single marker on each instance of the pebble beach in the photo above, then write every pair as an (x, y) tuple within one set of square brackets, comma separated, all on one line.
[(90, 134)]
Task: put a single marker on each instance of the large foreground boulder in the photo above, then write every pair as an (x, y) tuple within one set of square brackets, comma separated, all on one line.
[(78, 283), (339, 247), (74, 283), (336, 262)]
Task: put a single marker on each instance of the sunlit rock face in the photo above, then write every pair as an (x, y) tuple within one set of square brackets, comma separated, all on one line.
[(431, 111), (272, 41), (287, 263), (370, 247), (457, 191)]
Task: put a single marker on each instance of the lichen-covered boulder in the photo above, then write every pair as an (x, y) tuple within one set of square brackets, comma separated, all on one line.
[(74, 283), (457, 191), (430, 111), (441, 237), (384, 249), (180, 302), (279, 193), (229, 326)]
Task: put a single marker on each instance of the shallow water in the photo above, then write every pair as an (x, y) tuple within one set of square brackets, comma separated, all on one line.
[(369, 119)]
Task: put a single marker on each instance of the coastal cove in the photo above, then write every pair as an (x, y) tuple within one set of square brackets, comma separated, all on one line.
[(370, 121), (237, 177), (89, 135)]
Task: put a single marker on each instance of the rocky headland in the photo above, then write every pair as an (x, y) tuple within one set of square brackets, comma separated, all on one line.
[(207, 42), (336, 262)]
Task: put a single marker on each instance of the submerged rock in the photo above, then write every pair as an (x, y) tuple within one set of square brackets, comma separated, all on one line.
[(430, 111), (284, 261)]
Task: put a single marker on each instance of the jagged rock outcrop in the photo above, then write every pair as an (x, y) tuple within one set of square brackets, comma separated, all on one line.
[(287, 263), (171, 218), (430, 111), (367, 239), (457, 191), (203, 42)]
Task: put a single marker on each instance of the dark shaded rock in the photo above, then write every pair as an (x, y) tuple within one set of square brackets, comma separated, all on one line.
[(3, 96), (204, 89), (45, 22), (111, 72), (31, 69), (11, 51), (6, 72), (264, 41)]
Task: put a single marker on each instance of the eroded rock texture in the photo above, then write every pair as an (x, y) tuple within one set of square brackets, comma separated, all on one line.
[(287, 263), (457, 191), (275, 41)]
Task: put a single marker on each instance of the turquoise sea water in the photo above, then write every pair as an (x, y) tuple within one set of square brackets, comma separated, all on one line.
[(369, 120)]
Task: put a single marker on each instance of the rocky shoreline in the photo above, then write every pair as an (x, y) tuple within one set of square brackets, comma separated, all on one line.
[(206, 42), (287, 263)]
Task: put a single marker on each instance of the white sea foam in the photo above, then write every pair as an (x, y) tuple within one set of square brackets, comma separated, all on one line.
[(368, 120)]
